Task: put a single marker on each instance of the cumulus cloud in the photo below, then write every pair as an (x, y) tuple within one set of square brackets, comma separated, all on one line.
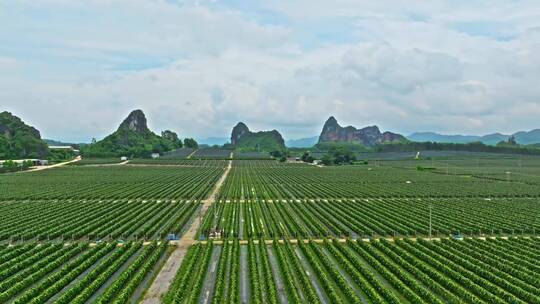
[(200, 67)]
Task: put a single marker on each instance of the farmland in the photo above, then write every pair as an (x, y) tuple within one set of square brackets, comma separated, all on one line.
[(111, 182), (77, 272), (92, 220), (271, 180), (211, 153), (400, 271), (372, 217), (261, 231)]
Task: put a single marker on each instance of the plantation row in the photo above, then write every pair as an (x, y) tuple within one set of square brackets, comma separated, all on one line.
[(179, 162), (404, 271), (270, 180), (111, 182), (77, 273), (514, 169), (94, 220), (370, 217), (88, 161), (212, 153)]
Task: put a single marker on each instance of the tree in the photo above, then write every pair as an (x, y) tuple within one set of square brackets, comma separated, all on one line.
[(191, 143), (338, 155), (326, 160), (276, 154), (170, 138), (511, 142), (307, 158)]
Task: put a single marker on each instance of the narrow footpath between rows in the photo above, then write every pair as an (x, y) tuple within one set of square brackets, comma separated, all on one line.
[(165, 277)]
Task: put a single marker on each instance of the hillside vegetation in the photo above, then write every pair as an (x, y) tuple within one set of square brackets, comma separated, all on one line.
[(244, 140), (133, 138), (19, 140)]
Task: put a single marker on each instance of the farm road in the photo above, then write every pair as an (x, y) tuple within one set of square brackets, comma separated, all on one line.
[(165, 277), (40, 168)]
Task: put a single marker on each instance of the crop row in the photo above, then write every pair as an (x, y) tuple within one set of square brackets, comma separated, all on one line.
[(94, 220), (112, 182), (211, 153), (270, 180), (371, 217), (76, 273), (404, 271), (182, 163)]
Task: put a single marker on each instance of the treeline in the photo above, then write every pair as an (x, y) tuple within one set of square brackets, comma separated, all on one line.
[(469, 147)]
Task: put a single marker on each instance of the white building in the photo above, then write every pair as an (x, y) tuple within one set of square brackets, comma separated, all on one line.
[(69, 148), (35, 162)]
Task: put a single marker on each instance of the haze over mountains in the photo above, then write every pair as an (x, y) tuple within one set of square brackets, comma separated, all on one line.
[(133, 137), (522, 137)]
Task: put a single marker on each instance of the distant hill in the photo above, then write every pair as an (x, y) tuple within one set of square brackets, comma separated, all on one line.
[(302, 142), (522, 138), (527, 138), (243, 139), (52, 142), (211, 141), (19, 140), (435, 137), (332, 132), (133, 138)]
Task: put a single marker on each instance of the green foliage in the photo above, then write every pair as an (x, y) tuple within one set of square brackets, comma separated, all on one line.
[(261, 141), (18, 140), (471, 147), (11, 166), (191, 143), (172, 137), (510, 143), (338, 155), (126, 142), (421, 168), (325, 146), (135, 182), (59, 155), (307, 157)]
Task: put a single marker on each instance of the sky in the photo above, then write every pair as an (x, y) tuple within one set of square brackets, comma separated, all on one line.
[(74, 69)]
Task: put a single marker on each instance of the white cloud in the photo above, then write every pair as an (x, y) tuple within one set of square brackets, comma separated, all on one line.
[(8, 63), (198, 69)]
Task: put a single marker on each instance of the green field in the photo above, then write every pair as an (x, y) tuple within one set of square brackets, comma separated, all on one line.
[(76, 273), (372, 217), (454, 228), (271, 180), (401, 271), (111, 182)]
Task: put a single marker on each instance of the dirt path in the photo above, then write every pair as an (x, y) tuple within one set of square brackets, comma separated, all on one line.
[(191, 154), (165, 277), (40, 168)]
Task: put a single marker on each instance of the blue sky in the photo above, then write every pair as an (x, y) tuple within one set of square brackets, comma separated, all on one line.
[(75, 69)]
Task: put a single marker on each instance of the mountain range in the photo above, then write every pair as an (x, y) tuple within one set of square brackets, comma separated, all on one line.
[(522, 137), (134, 138), (370, 136)]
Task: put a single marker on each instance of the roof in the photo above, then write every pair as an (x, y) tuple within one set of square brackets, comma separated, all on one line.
[(60, 147)]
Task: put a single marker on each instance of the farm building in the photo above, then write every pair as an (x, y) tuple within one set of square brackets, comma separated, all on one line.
[(69, 148), (35, 162)]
